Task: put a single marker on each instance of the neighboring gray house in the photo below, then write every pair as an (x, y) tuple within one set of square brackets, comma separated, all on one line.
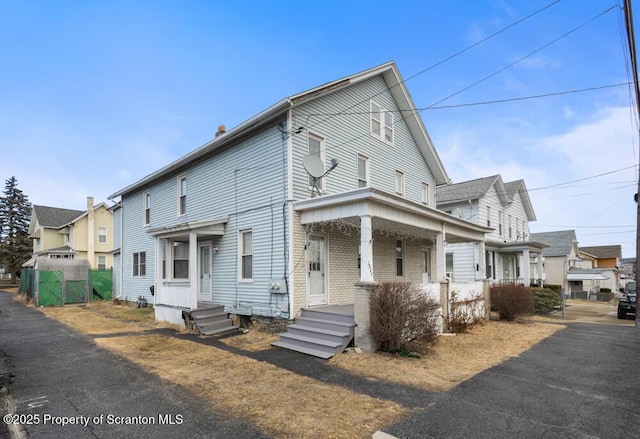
[(562, 254), (235, 222), (509, 250)]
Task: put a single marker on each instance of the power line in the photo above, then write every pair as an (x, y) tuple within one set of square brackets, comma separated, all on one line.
[(411, 113), (450, 57), (581, 179)]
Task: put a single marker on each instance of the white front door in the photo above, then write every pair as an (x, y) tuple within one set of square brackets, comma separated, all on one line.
[(426, 265), (316, 267), (204, 272)]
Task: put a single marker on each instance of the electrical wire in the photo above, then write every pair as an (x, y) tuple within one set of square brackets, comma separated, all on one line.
[(450, 57)]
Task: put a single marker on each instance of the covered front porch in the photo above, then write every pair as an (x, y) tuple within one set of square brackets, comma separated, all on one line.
[(368, 236), (518, 262), (182, 281)]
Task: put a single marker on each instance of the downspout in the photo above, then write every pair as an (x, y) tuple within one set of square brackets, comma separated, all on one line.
[(91, 247), (121, 295)]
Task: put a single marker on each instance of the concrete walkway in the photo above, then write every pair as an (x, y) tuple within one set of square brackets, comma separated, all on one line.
[(61, 376)]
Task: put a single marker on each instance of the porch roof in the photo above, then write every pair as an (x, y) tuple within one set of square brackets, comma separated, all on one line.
[(210, 227), (388, 211), (517, 246)]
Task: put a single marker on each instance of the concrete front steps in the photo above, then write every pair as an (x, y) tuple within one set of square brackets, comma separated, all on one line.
[(319, 333), (211, 319)]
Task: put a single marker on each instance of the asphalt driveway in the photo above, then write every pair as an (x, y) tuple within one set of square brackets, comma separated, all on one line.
[(61, 376), (582, 382)]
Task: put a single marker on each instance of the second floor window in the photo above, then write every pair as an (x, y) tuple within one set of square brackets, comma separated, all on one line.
[(363, 171), (102, 262), (182, 195), (147, 208), (400, 183), (488, 216), (500, 222), (425, 193), (102, 235), (381, 123)]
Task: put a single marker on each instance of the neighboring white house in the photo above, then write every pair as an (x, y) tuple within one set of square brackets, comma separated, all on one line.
[(239, 221), (509, 249)]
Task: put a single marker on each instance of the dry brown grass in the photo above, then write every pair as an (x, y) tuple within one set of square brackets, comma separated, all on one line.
[(454, 359), (252, 340), (280, 402)]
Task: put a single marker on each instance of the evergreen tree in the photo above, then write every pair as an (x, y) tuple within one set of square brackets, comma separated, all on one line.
[(15, 215)]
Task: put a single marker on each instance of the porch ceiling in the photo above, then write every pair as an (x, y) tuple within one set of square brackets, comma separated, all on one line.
[(390, 213), (516, 246)]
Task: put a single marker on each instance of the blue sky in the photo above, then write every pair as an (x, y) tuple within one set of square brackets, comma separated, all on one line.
[(96, 95)]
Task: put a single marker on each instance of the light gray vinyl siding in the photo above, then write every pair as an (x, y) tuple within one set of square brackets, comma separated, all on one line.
[(135, 240), (464, 261), (246, 182), (348, 134)]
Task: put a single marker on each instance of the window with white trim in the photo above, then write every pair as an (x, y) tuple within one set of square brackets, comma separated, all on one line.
[(510, 228), (500, 222), (139, 264), (399, 184), (245, 256), (164, 243), (363, 171), (488, 216), (449, 265), (425, 193), (399, 257), (147, 208), (180, 255), (182, 195), (102, 262), (382, 123), (102, 235)]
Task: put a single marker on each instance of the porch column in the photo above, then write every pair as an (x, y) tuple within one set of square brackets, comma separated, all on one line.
[(440, 258), (482, 263), (193, 269), (540, 268), (526, 262), (366, 249)]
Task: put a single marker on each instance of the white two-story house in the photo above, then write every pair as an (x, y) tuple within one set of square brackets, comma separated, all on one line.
[(297, 207), (509, 250)]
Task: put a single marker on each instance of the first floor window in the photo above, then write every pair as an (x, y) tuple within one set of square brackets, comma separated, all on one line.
[(163, 253), (246, 254), (399, 257), (180, 260), (449, 265), (139, 264)]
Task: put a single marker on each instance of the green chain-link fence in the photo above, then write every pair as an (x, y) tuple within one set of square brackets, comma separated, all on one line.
[(50, 288)]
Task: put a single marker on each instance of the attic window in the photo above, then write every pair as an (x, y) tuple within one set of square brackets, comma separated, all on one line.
[(381, 123)]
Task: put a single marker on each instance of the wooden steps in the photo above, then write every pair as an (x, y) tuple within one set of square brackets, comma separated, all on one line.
[(319, 333), (211, 319)]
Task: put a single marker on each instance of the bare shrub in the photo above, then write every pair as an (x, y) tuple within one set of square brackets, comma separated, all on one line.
[(463, 314), (512, 301), (402, 313)]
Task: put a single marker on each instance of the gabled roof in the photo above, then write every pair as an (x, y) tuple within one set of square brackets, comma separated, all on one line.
[(85, 213), (478, 188), (55, 217), (395, 84), (560, 242), (604, 251), (467, 190)]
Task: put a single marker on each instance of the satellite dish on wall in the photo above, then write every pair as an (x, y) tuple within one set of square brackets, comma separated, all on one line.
[(314, 166)]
